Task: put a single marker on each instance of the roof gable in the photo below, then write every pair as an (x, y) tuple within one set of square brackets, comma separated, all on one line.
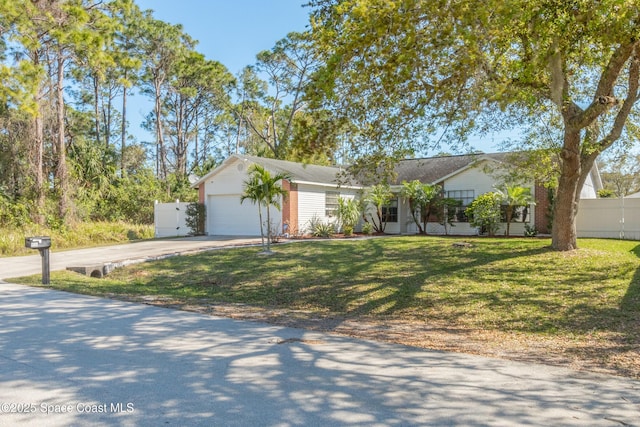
[(299, 172), (433, 170)]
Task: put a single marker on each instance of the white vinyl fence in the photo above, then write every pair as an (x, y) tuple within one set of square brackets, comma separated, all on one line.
[(171, 219), (609, 218)]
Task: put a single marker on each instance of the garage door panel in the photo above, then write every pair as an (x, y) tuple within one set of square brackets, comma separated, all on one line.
[(228, 217)]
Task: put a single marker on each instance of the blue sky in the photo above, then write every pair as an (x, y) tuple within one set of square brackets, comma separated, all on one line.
[(229, 31), (232, 31)]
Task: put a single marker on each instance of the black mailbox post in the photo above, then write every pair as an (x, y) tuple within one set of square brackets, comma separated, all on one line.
[(42, 244)]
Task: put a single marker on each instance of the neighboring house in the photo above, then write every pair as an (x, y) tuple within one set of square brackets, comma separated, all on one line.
[(633, 196), (314, 191)]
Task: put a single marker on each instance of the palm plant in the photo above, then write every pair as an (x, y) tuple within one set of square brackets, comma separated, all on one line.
[(421, 197), (514, 197), (262, 188), (379, 196), (348, 214), (253, 192)]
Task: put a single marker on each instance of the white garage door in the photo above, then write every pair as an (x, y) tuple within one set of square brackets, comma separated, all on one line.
[(227, 217)]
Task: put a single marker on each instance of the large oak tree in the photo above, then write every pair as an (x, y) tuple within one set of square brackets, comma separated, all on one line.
[(403, 68)]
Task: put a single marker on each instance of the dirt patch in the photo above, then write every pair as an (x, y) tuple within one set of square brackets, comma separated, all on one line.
[(597, 352)]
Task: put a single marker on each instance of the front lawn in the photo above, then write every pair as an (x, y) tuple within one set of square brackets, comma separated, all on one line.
[(583, 304)]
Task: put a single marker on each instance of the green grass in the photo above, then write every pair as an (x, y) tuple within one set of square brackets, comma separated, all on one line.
[(498, 284), (79, 235)]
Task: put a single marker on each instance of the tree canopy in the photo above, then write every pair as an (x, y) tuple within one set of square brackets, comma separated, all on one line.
[(444, 69), (68, 71)]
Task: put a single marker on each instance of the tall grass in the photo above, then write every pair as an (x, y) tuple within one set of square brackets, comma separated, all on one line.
[(80, 235)]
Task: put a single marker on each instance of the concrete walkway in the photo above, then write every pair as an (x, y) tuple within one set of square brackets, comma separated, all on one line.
[(125, 253), (68, 359)]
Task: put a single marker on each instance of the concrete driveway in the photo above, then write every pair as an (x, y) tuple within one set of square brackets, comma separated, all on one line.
[(68, 359), (125, 253)]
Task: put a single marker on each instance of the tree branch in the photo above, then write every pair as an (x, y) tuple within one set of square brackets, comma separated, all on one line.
[(630, 100), (603, 97), (558, 87)]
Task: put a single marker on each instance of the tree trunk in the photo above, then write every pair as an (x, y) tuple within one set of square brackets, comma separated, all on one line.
[(563, 232), (509, 215), (261, 227), (268, 227), (96, 108), (162, 157), (38, 164), (61, 175), (123, 142)]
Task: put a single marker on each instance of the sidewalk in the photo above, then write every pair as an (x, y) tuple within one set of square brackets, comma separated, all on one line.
[(129, 253)]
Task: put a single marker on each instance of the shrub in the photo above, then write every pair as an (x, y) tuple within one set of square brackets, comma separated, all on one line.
[(530, 231), (485, 213), (606, 193), (367, 228), (195, 219), (13, 213), (319, 228), (348, 214)]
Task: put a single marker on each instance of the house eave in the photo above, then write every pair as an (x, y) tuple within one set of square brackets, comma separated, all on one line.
[(327, 184)]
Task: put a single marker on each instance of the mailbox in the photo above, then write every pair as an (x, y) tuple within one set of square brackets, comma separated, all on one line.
[(40, 242)]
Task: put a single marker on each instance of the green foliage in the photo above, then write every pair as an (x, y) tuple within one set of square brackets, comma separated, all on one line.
[(513, 197), (71, 158), (444, 70), (196, 216), (13, 213), (484, 212), (530, 230), (84, 234), (378, 197), (130, 199), (262, 188), (348, 214), (367, 228), (318, 228), (606, 193), (422, 197)]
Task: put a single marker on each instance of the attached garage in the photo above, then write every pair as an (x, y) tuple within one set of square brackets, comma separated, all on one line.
[(226, 216), (221, 188)]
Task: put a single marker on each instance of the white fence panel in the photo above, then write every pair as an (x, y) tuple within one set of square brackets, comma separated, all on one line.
[(609, 218), (171, 219)]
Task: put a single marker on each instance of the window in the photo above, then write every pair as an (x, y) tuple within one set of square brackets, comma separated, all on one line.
[(390, 211), (331, 202), (465, 197)]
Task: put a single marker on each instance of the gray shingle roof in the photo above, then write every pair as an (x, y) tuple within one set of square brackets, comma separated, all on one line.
[(428, 170), (432, 170), (299, 172)]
